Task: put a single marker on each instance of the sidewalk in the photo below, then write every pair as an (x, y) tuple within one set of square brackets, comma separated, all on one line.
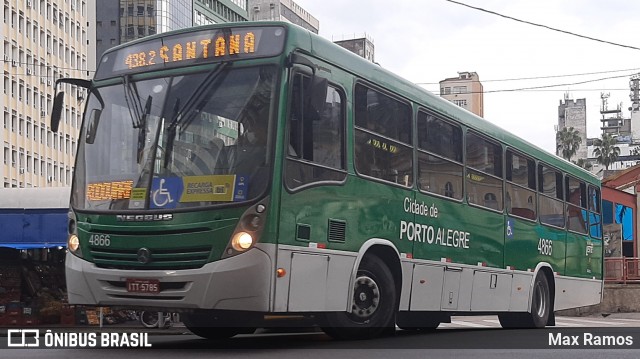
[(631, 315)]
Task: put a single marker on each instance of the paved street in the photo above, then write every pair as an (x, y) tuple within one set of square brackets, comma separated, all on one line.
[(625, 320)]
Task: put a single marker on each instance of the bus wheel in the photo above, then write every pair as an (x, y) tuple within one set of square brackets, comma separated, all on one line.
[(541, 302), (212, 327), (373, 304), (540, 308)]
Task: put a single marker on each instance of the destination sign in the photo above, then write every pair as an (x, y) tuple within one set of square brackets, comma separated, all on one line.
[(109, 190), (195, 47)]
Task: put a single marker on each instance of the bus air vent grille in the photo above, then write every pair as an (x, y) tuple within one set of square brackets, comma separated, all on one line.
[(174, 258), (337, 230)]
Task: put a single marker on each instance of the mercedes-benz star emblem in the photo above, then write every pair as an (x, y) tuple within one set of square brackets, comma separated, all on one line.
[(144, 255)]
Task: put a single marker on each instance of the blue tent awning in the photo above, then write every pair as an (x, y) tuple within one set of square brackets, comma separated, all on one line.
[(32, 245), (33, 228)]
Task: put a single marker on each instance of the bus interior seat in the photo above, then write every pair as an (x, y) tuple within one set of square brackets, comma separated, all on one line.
[(523, 212)]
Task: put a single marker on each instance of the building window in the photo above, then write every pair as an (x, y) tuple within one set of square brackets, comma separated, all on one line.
[(461, 103)]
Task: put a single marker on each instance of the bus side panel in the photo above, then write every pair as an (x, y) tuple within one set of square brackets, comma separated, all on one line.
[(362, 209), (530, 243), (584, 256), (576, 292), (459, 233)]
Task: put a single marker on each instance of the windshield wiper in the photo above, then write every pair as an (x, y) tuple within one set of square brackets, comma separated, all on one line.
[(195, 98), (171, 133), (131, 96), (142, 133)]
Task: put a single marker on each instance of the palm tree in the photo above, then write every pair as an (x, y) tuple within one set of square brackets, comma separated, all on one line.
[(581, 162), (606, 151), (568, 141)]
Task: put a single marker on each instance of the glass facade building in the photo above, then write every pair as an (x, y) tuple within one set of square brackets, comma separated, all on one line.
[(120, 21)]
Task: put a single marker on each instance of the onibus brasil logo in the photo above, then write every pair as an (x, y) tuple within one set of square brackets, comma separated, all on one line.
[(31, 338)]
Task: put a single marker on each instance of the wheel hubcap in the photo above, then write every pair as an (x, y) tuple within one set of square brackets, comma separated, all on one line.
[(366, 297)]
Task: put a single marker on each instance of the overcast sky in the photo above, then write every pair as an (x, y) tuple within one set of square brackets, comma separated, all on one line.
[(427, 41)]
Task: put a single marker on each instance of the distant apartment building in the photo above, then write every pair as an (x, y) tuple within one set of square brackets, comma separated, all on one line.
[(120, 21), (465, 91), (573, 113), (361, 46), (44, 40), (282, 10)]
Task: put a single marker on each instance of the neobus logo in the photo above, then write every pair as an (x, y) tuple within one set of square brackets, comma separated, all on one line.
[(144, 217)]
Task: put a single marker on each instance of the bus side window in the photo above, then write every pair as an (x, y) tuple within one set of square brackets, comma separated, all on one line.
[(595, 217), (439, 156), (382, 144), (521, 186), (576, 192), (550, 203), (315, 149), (484, 172)]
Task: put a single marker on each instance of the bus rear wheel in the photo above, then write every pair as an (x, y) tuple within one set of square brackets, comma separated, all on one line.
[(214, 326), (373, 304), (541, 308)]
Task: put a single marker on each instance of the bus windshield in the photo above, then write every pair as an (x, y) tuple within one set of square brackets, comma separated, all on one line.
[(176, 142)]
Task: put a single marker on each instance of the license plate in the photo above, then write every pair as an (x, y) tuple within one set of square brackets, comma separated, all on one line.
[(136, 285)]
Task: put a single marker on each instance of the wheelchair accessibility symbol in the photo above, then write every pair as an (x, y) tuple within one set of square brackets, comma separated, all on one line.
[(161, 196), (165, 192), (509, 229)]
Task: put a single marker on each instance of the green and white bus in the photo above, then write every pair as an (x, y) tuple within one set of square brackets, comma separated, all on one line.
[(240, 171)]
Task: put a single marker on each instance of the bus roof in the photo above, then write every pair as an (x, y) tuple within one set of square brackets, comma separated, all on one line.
[(326, 50), (306, 41)]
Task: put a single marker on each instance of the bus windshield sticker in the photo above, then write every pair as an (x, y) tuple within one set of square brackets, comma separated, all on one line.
[(214, 188), (165, 192), (241, 188), (138, 196)]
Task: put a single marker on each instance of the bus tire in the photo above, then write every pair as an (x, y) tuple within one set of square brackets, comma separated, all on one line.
[(540, 308), (374, 304), (212, 327), (541, 301)]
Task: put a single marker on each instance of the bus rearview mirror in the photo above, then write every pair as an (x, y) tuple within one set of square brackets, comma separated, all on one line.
[(56, 111)]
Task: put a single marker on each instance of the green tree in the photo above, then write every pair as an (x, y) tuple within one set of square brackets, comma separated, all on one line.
[(606, 151), (568, 141), (584, 164)]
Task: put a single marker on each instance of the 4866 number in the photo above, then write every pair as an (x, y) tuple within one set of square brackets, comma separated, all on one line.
[(545, 247), (100, 240)]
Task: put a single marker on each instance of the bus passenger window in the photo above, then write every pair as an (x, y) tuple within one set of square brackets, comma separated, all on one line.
[(550, 204), (521, 185), (484, 172), (595, 218), (383, 137), (315, 150), (439, 156), (577, 218)]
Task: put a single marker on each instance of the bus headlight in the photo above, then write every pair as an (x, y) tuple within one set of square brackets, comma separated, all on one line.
[(73, 243), (242, 241), (248, 230)]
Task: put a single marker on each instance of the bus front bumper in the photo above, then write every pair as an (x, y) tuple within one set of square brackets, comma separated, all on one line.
[(241, 282)]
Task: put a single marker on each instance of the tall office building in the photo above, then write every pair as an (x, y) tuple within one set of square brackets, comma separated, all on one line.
[(282, 10), (465, 91), (573, 113), (44, 40), (120, 21), (361, 46)]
